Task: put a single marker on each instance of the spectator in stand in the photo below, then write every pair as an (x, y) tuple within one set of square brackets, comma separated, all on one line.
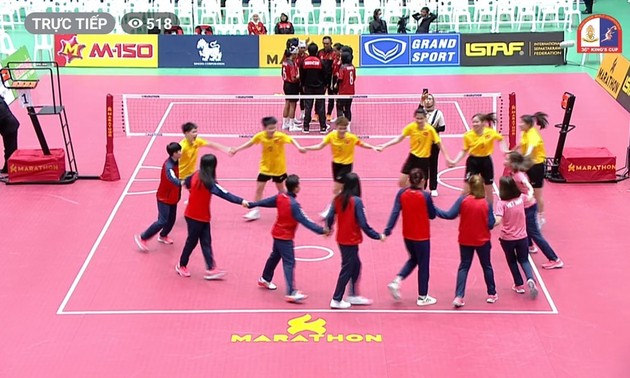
[(378, 26), (425, 21), (255, 26), (588, 7), (284, 26)]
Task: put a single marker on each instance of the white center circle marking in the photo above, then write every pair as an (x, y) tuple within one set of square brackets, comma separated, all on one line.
[(329, 253)]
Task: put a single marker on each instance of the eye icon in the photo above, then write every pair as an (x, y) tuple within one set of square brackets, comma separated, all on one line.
[(135, 23)]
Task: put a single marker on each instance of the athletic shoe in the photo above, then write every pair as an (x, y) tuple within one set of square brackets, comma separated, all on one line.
[(297, 122), (214, 274), (269, 285), (458, 302), (296, 297), (323, 130), (340, 304), (295, 128), (360, 301), (252, 215), (426, 301), (533, 249), (142, 244), (553, 264), (533, 291), (394, 289), (182, 271), (492, 298), (165, 240), (434, 193), (520, 289)]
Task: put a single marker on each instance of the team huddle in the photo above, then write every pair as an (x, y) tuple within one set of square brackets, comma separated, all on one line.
[(518, 213)]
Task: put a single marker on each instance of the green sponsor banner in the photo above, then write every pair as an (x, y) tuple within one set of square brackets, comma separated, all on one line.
[(19, 64)]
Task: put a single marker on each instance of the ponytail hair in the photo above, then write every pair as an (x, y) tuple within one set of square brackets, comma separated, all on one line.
[(208, 170), (539, 118), (518, 162), (351, 188), (486, 117), (477, 186), (416, 177)]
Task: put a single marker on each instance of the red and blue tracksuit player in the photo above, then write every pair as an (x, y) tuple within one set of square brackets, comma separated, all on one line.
[(202, 185), (417, 209), (289, 215), (168, 195), (348, 208), (476, 221)]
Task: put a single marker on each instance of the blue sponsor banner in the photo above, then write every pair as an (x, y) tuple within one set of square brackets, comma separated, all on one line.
[(434, 50), (207, 51), (384, 50), (410, 50)]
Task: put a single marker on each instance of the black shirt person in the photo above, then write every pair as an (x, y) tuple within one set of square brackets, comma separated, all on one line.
[(378, 26), (425, 21), (9, 131)]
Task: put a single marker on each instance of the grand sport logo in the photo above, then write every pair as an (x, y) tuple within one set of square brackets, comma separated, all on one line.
[(385, 50), (305, 329)]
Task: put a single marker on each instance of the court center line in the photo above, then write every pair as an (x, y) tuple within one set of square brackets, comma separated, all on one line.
[(111, 217)]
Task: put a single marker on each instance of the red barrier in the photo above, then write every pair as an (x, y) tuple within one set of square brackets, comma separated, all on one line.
[(110, 171)]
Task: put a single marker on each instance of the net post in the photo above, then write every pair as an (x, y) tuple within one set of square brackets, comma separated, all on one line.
[(512, 121), (110, 170)]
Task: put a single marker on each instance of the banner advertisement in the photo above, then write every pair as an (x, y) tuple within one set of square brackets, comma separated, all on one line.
[(588, 164), (512, 49), (272, 47), (20, 55), (410, 50), (612, 73), (624, 95), (208, 51), (599, 33), (106, 50)]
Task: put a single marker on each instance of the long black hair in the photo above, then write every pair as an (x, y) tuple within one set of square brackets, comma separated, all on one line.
[(351, 188), (208, 170), (539, 117)]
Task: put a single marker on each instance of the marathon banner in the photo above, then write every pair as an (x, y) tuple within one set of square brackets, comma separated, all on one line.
[(398, 50), (106, 50), (512, 49), (208, 51)]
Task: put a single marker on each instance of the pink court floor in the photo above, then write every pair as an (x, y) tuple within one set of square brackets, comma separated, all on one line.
[(78, 299)]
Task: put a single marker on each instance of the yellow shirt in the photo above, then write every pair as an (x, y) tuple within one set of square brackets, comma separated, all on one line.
[(532, 137), (273, 161), (190, 152), (481, 145), (342, 148), (420, 141)]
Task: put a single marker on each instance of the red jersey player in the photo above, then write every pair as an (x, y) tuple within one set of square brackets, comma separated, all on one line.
[(346, 79), (291, 79)]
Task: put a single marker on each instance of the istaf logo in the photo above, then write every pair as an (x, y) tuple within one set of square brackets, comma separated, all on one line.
[(385, 50)]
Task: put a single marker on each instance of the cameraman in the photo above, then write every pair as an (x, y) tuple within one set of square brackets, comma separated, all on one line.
[(426, 18)]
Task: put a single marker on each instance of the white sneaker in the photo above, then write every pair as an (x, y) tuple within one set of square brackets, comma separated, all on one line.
[(266, 284), (426, 301), (285, 125), (252, 215), (296, 297), (533, 291), (394, 289), (297, 122), (533, 249), (294, 127), (434, 193), (361, 301), (339, 304)]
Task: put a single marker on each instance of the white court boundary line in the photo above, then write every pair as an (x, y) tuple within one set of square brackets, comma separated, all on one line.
[(61, 310), (112, 215)]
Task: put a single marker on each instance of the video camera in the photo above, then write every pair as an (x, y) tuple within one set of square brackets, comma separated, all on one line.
[(402, 22)]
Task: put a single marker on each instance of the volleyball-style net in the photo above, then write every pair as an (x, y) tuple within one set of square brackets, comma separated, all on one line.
[(230, 116)]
